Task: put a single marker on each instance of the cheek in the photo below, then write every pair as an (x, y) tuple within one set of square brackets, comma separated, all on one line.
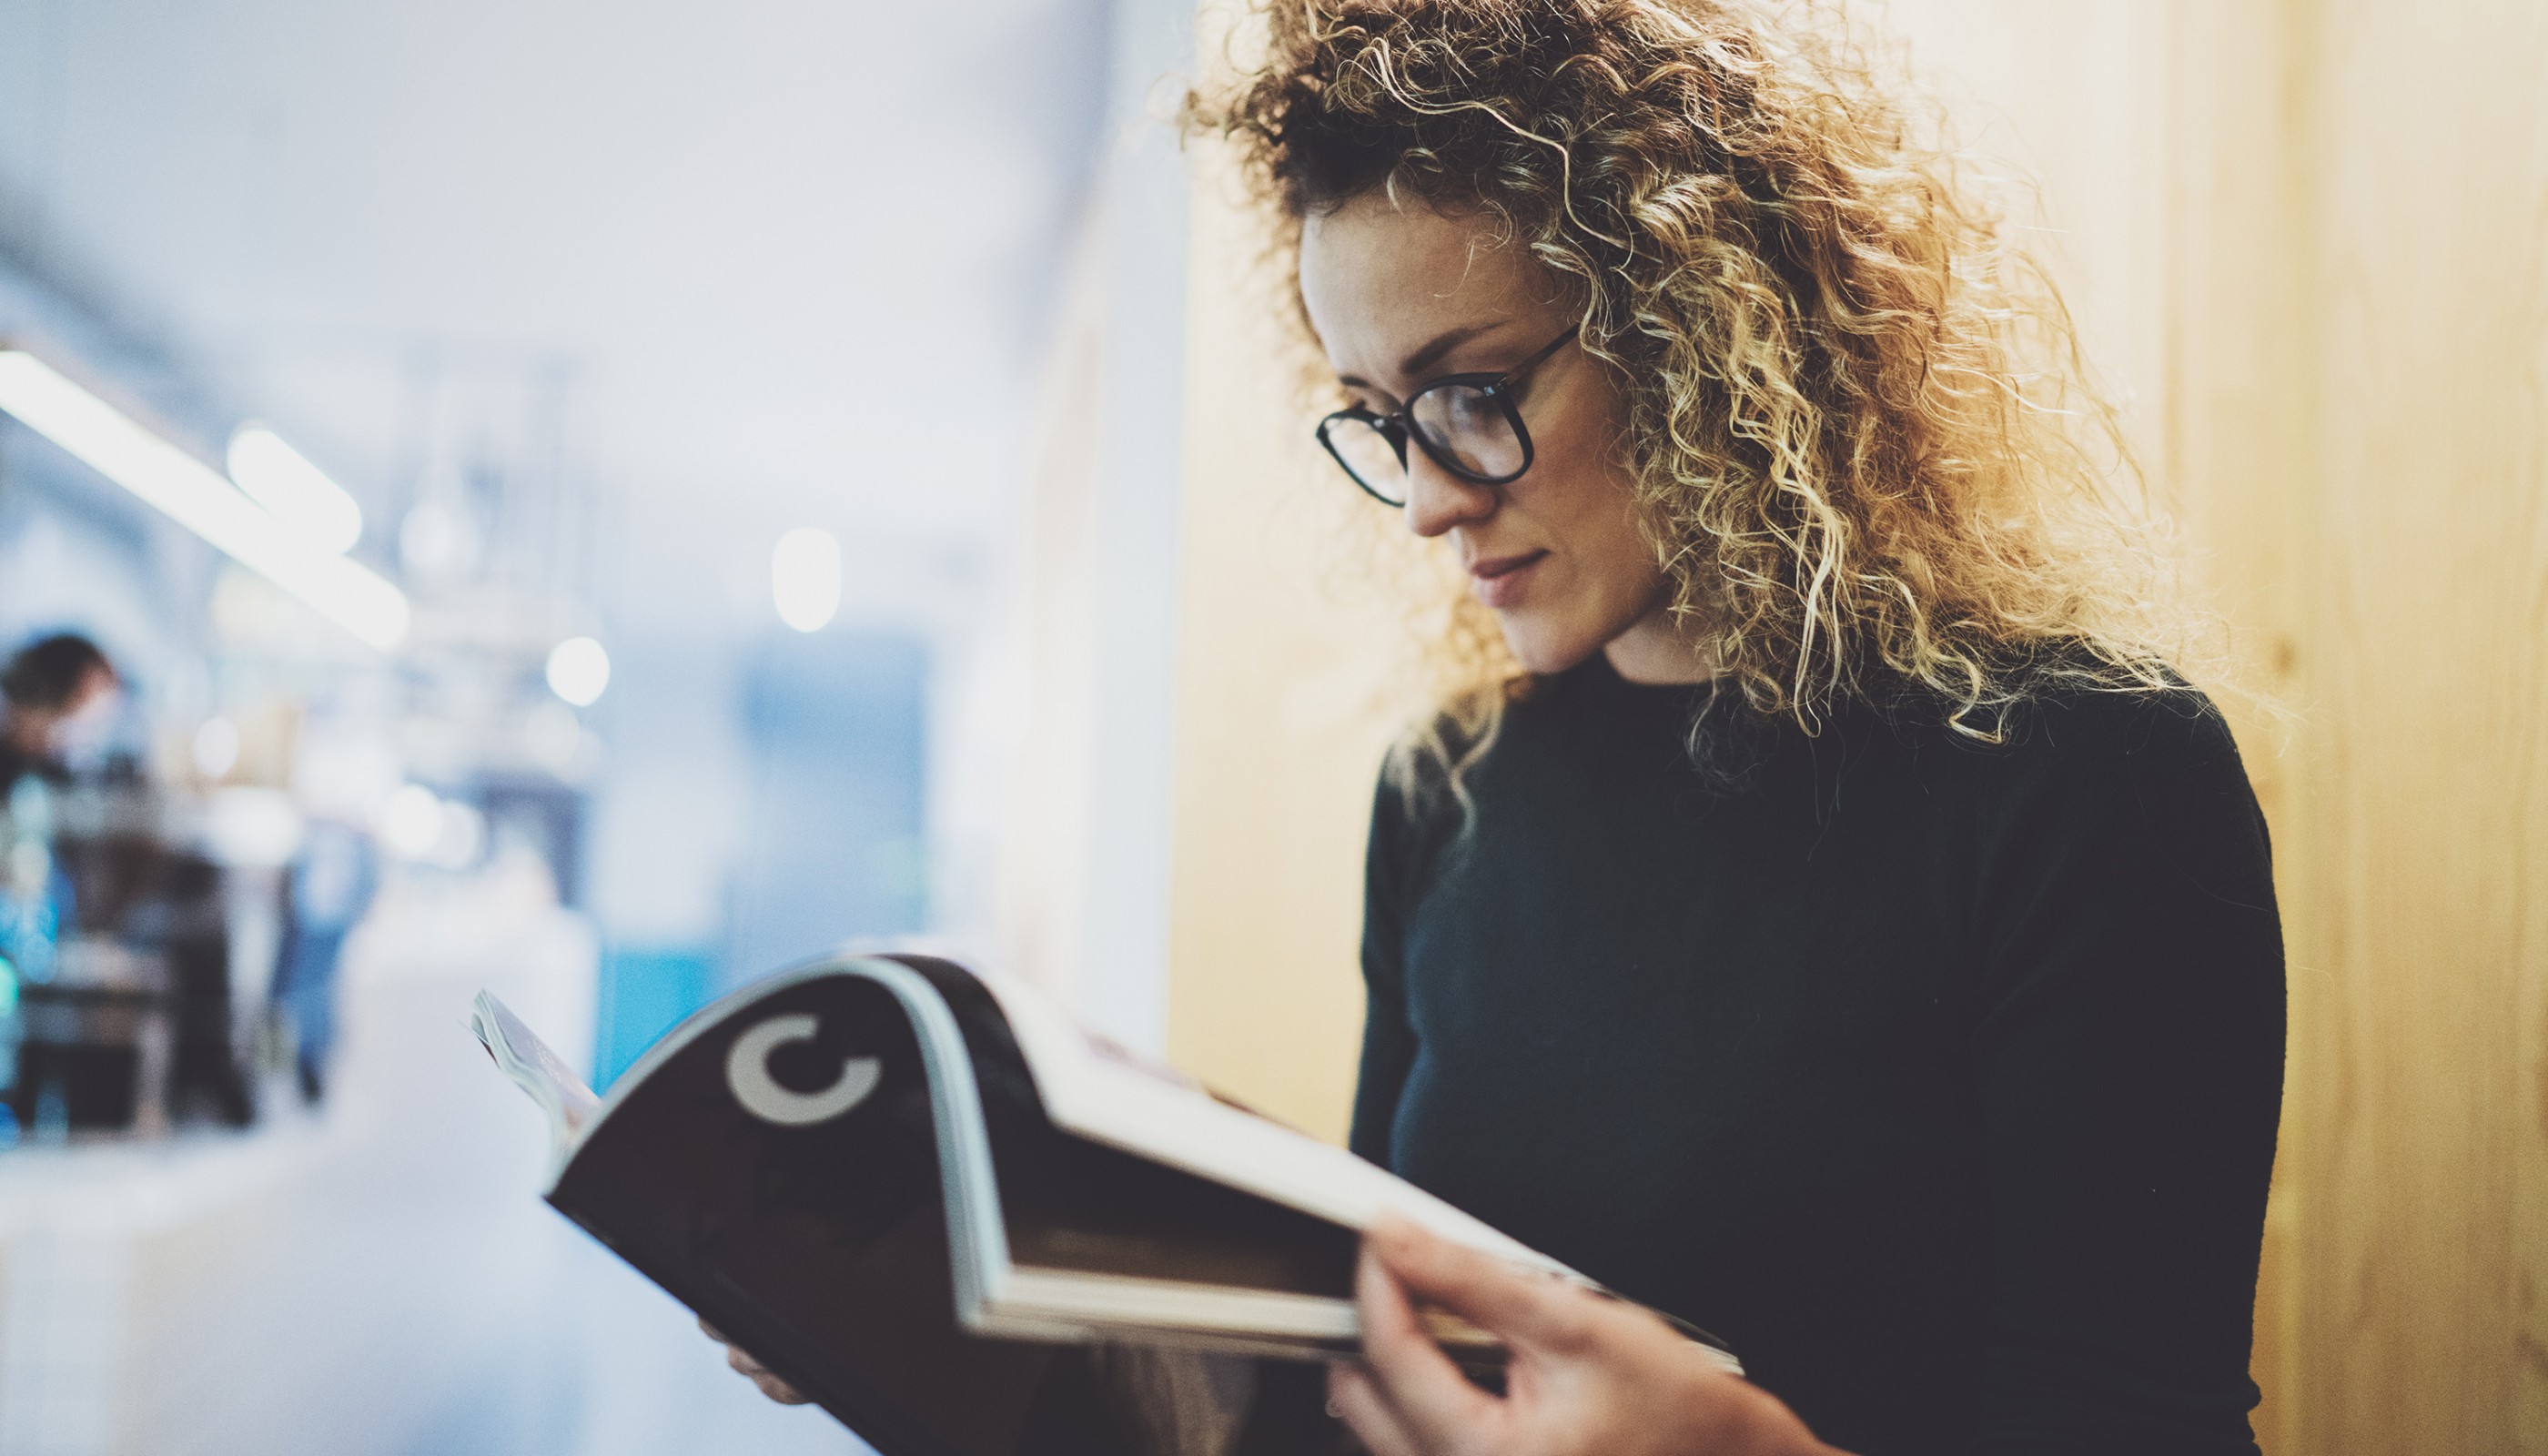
[(1605, 580), (1612, 566), (1613, 549)]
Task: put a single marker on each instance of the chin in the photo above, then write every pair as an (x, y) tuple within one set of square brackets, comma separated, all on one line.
[(1544, 646)]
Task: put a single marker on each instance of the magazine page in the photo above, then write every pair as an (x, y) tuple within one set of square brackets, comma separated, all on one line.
[(535, 1069), (1105, 1093)]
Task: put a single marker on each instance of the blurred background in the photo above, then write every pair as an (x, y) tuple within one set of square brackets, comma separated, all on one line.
[(599, 501)]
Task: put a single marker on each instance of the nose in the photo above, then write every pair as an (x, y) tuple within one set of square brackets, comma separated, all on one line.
[(1437, 500)]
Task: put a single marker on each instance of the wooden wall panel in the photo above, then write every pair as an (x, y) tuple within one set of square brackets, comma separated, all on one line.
[(2423, 915)]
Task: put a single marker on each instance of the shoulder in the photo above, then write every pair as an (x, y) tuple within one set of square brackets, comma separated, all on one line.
[(2117, 784), (2076, 740), (1439, 767), (1419, 802)]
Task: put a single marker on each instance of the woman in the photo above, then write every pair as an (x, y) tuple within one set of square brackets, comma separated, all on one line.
[(1822, 913), (1819, 909)]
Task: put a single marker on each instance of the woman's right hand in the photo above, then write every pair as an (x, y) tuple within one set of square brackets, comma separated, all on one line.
[(753, 1371), (1586, 1376)]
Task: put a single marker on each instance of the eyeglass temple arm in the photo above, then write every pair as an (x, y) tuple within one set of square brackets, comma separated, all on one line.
[(1541, 356)]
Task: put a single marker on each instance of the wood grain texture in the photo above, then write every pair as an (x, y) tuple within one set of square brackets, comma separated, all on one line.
[(2421, 918)]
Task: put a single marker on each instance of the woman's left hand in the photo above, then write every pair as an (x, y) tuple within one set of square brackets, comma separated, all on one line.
[(1588, 1377), (755, 1371)]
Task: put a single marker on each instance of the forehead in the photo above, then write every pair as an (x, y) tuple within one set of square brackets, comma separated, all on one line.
[(1380, 277)]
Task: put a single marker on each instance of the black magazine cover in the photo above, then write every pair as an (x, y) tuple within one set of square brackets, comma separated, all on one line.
[(909, 1195)]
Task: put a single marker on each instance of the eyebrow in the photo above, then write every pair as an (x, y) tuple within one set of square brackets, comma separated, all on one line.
[(1414, 365)]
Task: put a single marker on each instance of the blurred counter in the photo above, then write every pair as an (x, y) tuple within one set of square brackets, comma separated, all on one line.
[(329, 1279), (99, 1243)]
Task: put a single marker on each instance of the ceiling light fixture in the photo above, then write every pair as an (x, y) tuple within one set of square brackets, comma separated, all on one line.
[(194, 495), (579, 669), (298, 492)]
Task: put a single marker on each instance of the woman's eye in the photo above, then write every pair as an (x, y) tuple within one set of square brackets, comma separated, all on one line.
[(1470, 407)]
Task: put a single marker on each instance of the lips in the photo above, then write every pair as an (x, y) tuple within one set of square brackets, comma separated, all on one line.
[(1500, 579)]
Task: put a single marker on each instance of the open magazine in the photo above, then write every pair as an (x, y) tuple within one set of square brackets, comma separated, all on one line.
[(900, 1185)]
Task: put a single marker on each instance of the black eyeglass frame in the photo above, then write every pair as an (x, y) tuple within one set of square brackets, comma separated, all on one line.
[(1398, 426)]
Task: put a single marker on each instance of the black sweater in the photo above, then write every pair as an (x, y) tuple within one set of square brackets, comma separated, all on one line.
[(1941, 1079)]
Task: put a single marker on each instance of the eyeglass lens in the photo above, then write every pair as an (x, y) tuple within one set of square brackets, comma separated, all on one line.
[(1462, 424), (1466, 424), (1368, 456)]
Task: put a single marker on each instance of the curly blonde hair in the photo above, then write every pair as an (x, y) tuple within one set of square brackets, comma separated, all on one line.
[(1862, 440)]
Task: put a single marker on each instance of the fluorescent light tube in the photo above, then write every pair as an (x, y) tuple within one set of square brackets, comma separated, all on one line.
[(297, 493), (194, 495)]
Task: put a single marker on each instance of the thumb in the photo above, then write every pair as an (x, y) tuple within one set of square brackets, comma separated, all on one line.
[(1523, 1307)]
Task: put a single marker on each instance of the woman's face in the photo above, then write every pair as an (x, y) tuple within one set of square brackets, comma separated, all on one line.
[(1401, 296)]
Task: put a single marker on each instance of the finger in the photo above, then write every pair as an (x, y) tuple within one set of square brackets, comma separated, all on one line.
[(742, 1364), (781, 1391), (710, 1332), (1523, 1307), (1431, 1399), (1354, 1400)]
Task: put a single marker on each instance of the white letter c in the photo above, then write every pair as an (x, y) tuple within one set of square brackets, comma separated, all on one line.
[(747, 1071)]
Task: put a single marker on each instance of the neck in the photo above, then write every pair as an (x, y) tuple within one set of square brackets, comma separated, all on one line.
[(1660, 651)]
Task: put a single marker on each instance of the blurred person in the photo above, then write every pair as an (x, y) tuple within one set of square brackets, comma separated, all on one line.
[(331, 883), (58, 701), (58, 696), (1817, 903), (56, 693)]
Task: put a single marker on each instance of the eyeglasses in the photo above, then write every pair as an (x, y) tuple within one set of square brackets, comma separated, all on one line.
[(1466, 424)]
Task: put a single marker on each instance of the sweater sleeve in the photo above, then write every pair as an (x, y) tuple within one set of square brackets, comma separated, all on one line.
[(1388, 1040), (2128, 1054)]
